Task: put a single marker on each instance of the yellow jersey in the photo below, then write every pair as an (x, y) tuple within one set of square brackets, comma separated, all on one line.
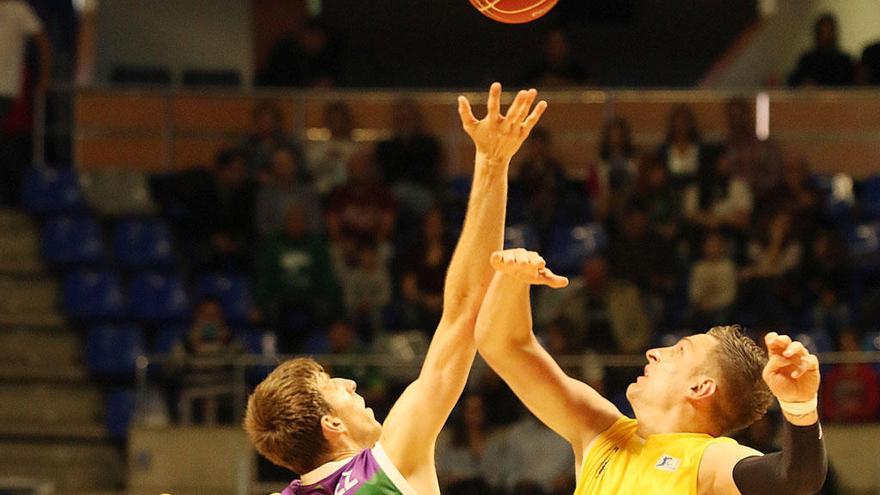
[(619, 462)]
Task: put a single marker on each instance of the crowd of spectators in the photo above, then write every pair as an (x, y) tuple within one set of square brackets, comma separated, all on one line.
[(347, 241)]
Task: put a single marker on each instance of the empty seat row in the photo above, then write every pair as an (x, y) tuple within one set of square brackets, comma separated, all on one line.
[(77, 240), (149, 296)]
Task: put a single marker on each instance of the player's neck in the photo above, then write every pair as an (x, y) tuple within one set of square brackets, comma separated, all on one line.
[(678, 419)]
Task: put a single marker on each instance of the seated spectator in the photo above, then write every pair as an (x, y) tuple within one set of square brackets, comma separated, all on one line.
[(282, 188), (306, 59), (361, 209), (295, 285), (851, 392), (558, 69), (462, 448), (713, 284), (204, 358), (212, 212), (683, 149), (796, 194), (366, 289), (411, 160), (656, 192), (825, 64), (830, 313), (424, 273), (641, 256), (609, 310), (542, 181), (870, 65), (327, 160), (719, 200), (826, 266), (268, 135), (773, 260), (611, 180), (756, 161)]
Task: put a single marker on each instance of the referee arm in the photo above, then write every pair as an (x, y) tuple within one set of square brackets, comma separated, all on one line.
[(792, 374)]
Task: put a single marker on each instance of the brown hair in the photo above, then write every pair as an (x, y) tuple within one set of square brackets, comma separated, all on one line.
[(743, 397), (283, 418)]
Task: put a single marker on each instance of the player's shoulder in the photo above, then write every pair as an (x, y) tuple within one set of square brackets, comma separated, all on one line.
[(716, 466)]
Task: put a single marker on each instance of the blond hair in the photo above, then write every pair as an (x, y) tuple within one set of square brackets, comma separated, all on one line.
[(283, 418), (738, 362)]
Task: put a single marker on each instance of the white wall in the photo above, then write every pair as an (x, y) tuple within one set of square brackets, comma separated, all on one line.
[(177, 34), (774, 49)]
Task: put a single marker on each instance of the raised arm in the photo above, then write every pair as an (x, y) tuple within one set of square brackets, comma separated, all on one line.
[(505, 339), (792, 374), (418, 416)]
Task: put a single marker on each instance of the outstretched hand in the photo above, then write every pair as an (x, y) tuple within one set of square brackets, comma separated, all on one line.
[(498, 137), (792, 373), (527, 266)]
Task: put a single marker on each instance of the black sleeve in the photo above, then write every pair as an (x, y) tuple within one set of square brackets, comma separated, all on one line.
[(799, 469)]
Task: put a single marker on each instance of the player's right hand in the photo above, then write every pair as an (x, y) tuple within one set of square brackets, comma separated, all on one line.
[(527, 266)]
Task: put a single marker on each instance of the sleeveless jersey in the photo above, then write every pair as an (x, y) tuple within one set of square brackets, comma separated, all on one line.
[(621, 462), (369, 473)]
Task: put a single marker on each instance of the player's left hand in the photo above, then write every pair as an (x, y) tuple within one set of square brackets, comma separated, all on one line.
[(499, 136), (792, 373)]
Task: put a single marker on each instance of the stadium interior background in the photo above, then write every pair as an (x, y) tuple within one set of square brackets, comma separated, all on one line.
[(197, 188)]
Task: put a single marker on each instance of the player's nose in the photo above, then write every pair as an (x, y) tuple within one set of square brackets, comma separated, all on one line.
[(653, 355), (350, 385)]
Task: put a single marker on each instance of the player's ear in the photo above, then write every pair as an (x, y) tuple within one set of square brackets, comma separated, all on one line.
[(332, 426), (702, 388)]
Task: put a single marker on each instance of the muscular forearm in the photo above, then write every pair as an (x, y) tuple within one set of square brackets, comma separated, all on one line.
[(505, 320), (469, 271)]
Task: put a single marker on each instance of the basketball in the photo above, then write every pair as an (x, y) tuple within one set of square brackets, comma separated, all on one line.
[(513, 11)]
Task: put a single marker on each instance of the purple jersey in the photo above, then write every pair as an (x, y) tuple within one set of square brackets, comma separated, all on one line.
[(368, 473)]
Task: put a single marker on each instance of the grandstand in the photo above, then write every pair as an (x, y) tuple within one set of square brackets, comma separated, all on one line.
[(146, 195)]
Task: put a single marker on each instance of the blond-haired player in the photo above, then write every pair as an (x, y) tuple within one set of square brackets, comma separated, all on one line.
[(690, 395), (319, 427)]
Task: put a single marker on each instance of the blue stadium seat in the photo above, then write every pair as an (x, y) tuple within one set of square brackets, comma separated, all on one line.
[(521, 236), (72, 240), (871, 341), (143, 243), (167, 337), (94, 295), (816, 340), (119, 406), (869, 198), (159, 297), (111, 350), (836, 195), (47, 190), (232, 291), (864, 244), (571, 245)]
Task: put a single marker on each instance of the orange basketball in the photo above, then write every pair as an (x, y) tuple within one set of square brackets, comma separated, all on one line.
[(513, 11)]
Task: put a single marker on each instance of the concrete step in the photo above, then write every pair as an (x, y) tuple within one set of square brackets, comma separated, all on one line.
[(23, 296), (52, 319), (21, 247), (33, 347), (51, 404), (54, 431), (14, 221), (71, 467)]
